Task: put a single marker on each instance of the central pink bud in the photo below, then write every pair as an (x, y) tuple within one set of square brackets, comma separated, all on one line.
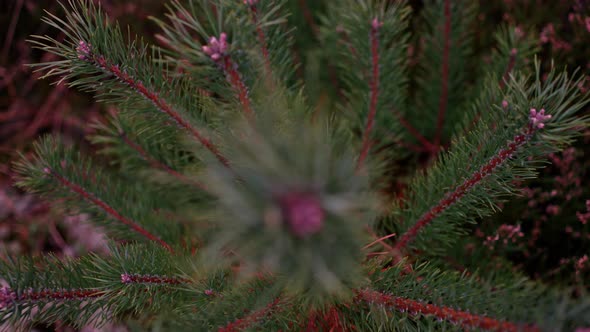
[(303, 213)]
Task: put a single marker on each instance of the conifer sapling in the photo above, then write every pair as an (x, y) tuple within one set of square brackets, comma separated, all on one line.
[(236, 201)]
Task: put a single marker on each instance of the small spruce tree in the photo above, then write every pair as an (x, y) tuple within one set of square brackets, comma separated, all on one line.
[(239, 199)]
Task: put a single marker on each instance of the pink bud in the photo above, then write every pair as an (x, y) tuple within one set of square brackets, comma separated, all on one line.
[(216, 48), (125, 278), (538, 119), (375, 24), (84, 50), (504, 104), (513, 52), (302, 212)]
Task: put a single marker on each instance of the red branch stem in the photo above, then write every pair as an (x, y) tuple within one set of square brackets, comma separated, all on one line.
[(107, 208), (158, 164), (9, 297), (460, 191), (158, 102), (247, 321), (465, 319), (414, 132), (236, 81), (261, 38), (366, 144), (127, 278), (509, 67), (308, 16), (444, 93)]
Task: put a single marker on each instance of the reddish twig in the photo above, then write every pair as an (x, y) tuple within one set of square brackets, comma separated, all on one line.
[(9, 297), (85, 53), (509, 67), (414, 132), (326, 320), (465, 319), (127, 278), (381, 241), (247, 321), (107, 208), (346, 41), (158, 164), (366, 144), (444, 93), (261, 37), (217, 50), (235, 78), (308, 16), (460, 191)]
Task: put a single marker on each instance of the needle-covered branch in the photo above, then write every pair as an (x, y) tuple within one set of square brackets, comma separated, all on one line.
[(368, 45), (131, 76), (444, 65), (60, 173), (481, 167)]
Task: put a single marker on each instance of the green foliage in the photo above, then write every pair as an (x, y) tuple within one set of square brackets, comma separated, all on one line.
[(58, 171), (496, 126), (277, 160), (256, 207), (346, 33)]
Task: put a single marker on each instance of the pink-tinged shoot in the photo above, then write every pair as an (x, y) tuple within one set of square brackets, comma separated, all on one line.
[(7, 297), (84, 50), (375, 24), (216, 49), (126, 278), (539, 118), (303, 213)]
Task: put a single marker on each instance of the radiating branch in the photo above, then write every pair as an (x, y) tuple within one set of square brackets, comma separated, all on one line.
[(414, 132), (86, 53), (260, 33), (88, 196), (536, 121), (509, 67), (158, 164), (444, 93), (374, 85), (251, 319), (462, 318), (127, 278), (217, 50), (9, 297)]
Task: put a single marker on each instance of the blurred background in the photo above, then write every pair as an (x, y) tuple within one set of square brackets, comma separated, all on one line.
[(545, 233)]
